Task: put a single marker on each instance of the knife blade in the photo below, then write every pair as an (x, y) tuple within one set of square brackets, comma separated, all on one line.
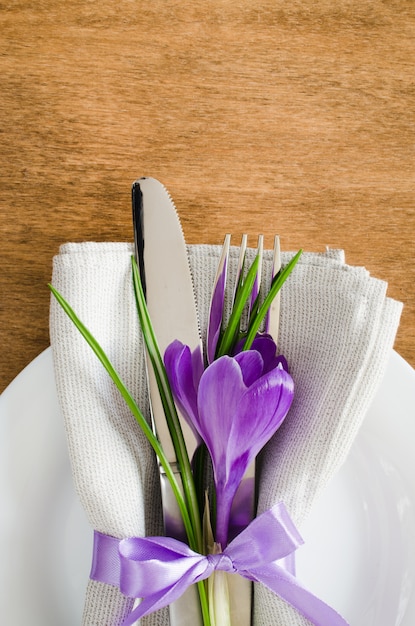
[(165, 273)]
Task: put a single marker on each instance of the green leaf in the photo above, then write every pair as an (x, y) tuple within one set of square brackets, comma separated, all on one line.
[(231, 334), (277, 283), (93, 343), (169, 407)]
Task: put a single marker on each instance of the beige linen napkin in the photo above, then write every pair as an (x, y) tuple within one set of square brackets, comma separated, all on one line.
[(337, 330)]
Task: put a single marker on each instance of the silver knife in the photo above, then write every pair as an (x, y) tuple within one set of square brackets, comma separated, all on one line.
[(165, 273)]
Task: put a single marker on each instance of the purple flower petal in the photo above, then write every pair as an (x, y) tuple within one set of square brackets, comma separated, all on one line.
[(220, 389), (184, 370), (260, 412), (216, 313), (267, 347), (251, 364)]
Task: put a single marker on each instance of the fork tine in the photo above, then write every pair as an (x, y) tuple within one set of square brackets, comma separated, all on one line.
[(257, 284), (241, 263), (273, 315)]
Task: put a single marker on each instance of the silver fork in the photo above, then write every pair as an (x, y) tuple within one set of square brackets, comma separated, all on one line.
[(240, 589), (273, 315)]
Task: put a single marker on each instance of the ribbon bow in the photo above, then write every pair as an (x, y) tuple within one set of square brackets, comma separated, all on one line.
[(160, 569)]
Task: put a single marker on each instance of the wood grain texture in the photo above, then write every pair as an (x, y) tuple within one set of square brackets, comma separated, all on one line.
[(296, 117)]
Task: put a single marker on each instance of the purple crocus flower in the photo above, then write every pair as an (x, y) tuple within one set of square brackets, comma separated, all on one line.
[(235, 405)]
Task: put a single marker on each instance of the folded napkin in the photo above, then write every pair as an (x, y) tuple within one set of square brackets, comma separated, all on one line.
[(337, 330)]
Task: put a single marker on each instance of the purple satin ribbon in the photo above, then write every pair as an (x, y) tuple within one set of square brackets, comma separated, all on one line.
[(159, 569)]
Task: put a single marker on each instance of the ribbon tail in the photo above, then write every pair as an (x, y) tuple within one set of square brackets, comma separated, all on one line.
[(147, 605), (287, 587), (166, 596)]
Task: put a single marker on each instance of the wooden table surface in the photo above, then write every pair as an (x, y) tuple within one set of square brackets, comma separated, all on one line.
[(288, 116)]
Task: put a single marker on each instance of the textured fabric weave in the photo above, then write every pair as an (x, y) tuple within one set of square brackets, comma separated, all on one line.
[(337, 330)]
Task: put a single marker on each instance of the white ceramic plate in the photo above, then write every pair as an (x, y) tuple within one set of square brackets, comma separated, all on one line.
[(359, 553)]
